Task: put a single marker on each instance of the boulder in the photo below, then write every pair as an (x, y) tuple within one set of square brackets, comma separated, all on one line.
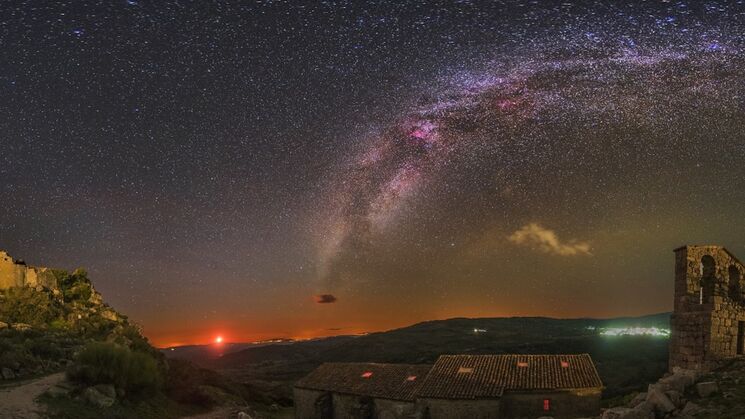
[(677, 382), (661, 403), (21, 326), (690, 409), (675, 397), (107, 390), (626, 413), (96, 398), (7, 374), (706, 388), (4, 325), (638, 399), (244, 415)]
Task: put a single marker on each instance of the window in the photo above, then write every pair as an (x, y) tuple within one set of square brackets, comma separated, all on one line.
[(708, 271), (734, 283), (411, 378), (522, 364), (564, 364), (546, 405), (465, 370), (367, 374)]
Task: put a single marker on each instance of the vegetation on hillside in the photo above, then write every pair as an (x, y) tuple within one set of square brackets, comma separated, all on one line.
[(112, 368)]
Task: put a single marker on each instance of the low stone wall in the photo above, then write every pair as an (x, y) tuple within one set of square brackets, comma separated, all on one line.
[(562, 404), (462, 409)]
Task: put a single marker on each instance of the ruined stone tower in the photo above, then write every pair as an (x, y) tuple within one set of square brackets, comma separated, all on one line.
[(708, 321)]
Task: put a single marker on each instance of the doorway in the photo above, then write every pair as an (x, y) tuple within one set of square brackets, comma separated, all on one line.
[(740, 338)]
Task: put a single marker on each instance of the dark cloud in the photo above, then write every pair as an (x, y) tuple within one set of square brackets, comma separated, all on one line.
[(325, 299)]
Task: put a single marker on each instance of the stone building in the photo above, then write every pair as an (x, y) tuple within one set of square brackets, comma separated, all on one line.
[(359, 390), (457, 386), (15, 273), (708, 321)]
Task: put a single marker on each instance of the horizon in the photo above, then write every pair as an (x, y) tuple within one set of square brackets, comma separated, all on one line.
[(262, 170), (211, 341)]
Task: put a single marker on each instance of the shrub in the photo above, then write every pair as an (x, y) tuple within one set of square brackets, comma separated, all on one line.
[(75, 286), (106, 363), (26, 305)]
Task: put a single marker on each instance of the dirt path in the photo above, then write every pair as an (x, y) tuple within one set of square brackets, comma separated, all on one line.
[(19, 401)]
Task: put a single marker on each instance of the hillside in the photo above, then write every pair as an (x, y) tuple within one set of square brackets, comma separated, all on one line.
[(625, 363), (93, 360)]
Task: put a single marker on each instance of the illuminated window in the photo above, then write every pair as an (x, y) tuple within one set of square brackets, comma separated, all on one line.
[(411, 378), (546, 405), (564, 364), (367, 374), (522, 364), (465, 370)]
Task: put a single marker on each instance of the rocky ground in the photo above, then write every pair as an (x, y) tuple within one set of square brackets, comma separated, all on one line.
[(684, 394)]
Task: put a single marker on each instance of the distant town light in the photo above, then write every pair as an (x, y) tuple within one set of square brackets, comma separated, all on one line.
[(635, 331)]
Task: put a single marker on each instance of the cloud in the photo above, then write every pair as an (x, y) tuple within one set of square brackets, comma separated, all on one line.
[(545, 240), (325, 299)]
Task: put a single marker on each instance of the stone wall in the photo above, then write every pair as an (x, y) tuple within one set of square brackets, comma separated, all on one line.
[(17, 274), (562, 404), (462, 409), (708, 307), (394, 409), (311, 404)]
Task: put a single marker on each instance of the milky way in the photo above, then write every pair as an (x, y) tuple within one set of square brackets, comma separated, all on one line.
[(281, 169), (573, 99)]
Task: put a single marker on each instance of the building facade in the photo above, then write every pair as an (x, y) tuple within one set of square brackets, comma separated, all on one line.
[(708, 321), (456, 386)]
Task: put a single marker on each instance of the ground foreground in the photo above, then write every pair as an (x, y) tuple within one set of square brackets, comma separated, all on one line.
[(19, 401)]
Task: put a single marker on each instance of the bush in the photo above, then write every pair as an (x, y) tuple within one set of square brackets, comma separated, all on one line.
[(75, 286), (26, 305), (106, 363)]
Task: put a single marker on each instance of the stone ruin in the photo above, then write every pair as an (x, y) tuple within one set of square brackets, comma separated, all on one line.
[(708, 321), (15, 273)]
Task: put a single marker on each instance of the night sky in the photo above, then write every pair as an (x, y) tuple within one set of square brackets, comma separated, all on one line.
[(268, 169)]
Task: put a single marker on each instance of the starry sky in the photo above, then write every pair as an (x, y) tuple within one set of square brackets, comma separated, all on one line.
[(288, 169)]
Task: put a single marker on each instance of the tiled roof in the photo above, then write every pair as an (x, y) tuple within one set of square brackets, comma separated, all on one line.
[(487, 376), (387, 381)]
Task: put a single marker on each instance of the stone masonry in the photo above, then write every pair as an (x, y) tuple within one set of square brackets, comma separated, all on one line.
[(14, 273), (708, 321)]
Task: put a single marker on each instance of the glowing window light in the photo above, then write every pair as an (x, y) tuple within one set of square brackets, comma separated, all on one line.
[(546, 405), (465, 370), (522, 364), (564, 364), (411, 378), (367, 374)]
